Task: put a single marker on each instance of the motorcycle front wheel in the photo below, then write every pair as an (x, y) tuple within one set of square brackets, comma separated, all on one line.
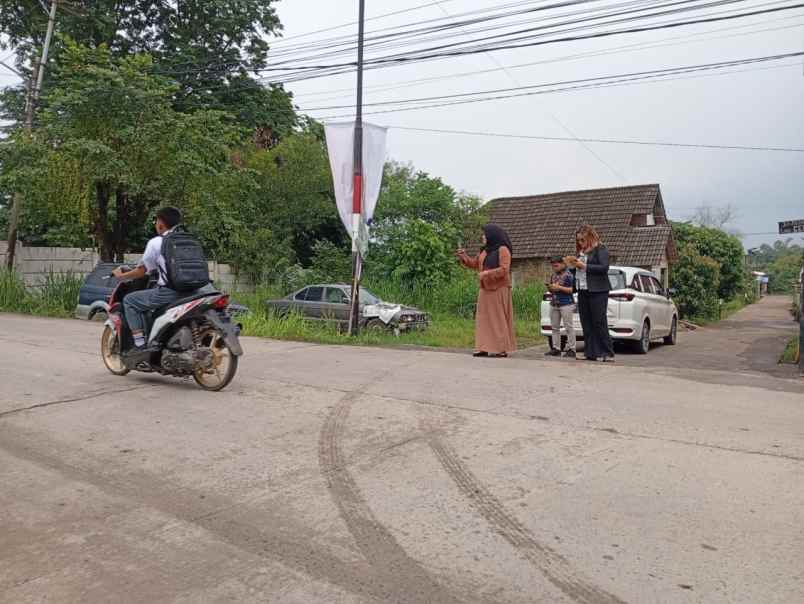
[(110, 351), (224, 363)]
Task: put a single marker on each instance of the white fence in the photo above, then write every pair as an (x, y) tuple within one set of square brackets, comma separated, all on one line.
[(34, 263)]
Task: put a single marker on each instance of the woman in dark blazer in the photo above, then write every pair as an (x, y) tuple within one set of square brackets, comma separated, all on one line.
[(592, 283)]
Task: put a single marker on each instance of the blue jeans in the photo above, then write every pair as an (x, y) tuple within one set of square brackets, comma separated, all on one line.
[(137, 303)]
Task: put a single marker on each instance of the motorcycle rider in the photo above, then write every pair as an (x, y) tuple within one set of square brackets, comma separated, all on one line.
[(136, 304)]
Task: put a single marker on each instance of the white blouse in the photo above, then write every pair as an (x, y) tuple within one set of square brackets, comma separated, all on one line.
[(580, 274)]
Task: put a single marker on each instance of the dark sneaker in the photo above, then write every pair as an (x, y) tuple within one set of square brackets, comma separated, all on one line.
[(570, 354), (553, 353), (480, 353)]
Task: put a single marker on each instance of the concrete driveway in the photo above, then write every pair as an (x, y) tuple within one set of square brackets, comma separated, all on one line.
[(743, 349), (336, 474)]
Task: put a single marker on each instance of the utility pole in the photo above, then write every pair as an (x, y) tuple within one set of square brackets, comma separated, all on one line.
[(34, 87), (357, 181)]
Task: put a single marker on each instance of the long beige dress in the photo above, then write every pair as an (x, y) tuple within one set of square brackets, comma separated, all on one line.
[(494, 322)]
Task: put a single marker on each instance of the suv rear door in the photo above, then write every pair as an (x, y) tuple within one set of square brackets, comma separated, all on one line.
[(666, 305), (655, 306)]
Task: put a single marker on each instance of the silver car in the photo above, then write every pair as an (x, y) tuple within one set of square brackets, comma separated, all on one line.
[(331, 302)]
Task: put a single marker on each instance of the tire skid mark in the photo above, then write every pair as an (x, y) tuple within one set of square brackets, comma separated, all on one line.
[(553, 565), (405, 580), (264, 533)]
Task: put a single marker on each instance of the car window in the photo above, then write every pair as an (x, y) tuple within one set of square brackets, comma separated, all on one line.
[(647, 286), (302, 295), (100, 276), (366, 297), (335, 295), (617, 279), (636, 283), (657, 287), (314, 294)]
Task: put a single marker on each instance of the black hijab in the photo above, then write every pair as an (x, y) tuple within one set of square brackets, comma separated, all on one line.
[(495, 239)]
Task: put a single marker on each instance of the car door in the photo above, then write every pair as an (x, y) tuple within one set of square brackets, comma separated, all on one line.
[(654, 306), (666, 305), (311, 307), (336, 304)]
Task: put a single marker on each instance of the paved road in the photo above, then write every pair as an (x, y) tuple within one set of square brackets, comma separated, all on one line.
[(347, 475), (743, 349)]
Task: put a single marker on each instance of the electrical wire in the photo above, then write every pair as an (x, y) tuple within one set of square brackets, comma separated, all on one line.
[(612, 141)]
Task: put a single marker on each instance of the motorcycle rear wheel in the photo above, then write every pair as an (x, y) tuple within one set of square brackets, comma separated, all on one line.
[(224, 363), (110, 352)]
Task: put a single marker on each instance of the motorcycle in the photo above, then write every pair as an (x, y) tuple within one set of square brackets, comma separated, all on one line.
[(193, 336)]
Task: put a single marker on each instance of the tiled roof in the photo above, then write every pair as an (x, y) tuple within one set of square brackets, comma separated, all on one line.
[(544, 225)]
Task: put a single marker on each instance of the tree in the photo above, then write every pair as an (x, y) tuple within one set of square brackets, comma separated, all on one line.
[(111, 147), (696, 279), (210, 49), (725, 249), (714, 217), (419, 222)]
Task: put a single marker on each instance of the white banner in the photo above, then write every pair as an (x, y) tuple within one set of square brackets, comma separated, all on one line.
[(340, 145)]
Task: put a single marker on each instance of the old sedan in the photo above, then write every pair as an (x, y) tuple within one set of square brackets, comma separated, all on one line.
[(331, 302)]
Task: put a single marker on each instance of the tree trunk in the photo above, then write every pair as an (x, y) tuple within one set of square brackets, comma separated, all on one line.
[(121, 224), (102, 235)]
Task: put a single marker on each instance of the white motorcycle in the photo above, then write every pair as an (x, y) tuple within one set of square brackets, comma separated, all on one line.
[(193, 336)]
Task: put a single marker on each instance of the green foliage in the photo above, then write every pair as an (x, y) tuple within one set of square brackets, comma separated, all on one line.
[(56, 295), (726, 250), (418, 224), (784, 271), (791, 352), (208, 47), (450, 305), (696, 279)]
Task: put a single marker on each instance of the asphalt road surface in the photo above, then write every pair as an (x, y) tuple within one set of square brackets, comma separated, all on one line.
[(345, 475)]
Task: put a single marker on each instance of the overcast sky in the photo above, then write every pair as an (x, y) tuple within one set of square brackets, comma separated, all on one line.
[(759, 106)]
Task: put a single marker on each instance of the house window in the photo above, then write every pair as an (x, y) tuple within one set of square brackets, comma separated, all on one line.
[(650, 220)]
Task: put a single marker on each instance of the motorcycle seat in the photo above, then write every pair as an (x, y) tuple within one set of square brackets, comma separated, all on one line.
[(194, 296)]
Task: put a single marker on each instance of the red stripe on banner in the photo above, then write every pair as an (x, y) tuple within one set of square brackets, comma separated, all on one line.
[(357, 194)]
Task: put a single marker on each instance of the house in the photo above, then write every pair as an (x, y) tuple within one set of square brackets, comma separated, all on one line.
[(630, 220)]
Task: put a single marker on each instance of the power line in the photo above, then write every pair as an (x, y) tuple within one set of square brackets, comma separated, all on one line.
[(591, 54), (382, 62), (612, 141), (552, 116), (615, 78)]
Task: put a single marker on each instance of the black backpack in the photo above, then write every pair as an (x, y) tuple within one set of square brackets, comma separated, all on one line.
[(185, 265)]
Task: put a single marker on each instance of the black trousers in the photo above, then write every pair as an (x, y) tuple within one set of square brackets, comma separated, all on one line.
[(592, 308)]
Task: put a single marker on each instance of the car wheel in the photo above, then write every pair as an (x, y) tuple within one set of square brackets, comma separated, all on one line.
[(643, 344), (376, 326), (672, 338)]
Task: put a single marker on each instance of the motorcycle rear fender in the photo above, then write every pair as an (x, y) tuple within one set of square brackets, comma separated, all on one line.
[(228, 330)]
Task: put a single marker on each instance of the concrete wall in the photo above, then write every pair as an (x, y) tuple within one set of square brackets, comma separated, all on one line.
[(34, 263)]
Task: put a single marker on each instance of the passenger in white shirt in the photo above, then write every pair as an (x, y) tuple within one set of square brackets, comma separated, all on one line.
[(136, 304)]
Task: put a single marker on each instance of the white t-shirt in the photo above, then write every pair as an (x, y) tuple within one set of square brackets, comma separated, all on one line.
[(580, 273), (153, 259)]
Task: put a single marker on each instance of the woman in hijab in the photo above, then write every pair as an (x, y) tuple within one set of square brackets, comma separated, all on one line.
[(494, 320)]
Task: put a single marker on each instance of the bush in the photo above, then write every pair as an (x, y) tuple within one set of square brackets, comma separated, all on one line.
[(696, 279)]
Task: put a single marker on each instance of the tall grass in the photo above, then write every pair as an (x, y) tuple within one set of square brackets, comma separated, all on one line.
[(450, 305), (56, 295)]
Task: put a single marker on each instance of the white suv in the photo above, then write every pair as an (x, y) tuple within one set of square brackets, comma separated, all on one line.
[(639, 310)]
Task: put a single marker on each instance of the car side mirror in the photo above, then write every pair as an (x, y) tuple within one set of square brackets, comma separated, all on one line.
[(671, 292)]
